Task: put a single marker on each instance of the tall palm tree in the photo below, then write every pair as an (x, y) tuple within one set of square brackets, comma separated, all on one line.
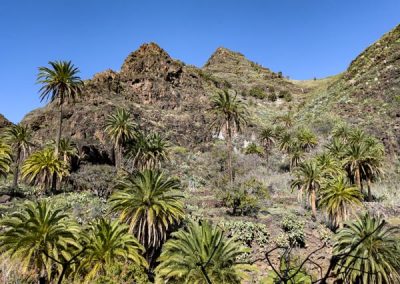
[(356, 160), (60, 83), (308, 178), (41, 166), (19, 137), (108, 243), (121, 128), (150, 204), (148, 151), (201, 253), (36, 235), (230, 115), (268, 138), (376, 258), (338, 197), (5, 158)]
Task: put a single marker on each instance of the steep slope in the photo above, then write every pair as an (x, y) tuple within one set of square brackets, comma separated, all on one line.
[(4, 122), (245, 75), (367, 93), (163, 95)]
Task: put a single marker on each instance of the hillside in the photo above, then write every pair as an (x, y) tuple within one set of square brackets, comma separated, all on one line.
[(4, 122), (366, 94)]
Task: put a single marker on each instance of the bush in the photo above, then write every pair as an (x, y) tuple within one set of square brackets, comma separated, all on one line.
[(248, 233), (253, 148), (272, 97), (258, 93), (244, 198), (128, 273), (286, 95), (99, 179), (294, 228)]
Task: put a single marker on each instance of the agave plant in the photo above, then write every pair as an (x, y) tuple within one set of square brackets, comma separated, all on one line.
[(368, 251), (201, 253)]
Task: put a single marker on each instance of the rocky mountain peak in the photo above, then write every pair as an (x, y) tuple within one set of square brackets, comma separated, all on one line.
[(224, 55)]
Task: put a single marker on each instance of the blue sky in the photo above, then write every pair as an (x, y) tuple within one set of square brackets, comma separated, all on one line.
[(302, 39)]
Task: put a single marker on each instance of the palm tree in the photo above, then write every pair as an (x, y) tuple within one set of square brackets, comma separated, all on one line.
[(36, 235), (230, 115), (61, 83), (338, 197), (150, 204), (268, 138), (148, 152), (201, 253), (19, 137), (41, 166), (336, 148), (308, 178), (296, 153), (330, 165), (306, 139), (285, 141), (5, 158), (68, 150), (376, 258), (108, 243), (121, 128), (356, 159)]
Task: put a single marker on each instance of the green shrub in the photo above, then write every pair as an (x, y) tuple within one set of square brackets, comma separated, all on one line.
[(258, 93), (253, 148), (99, 179), (294, 228), (244, 197), (248, 233), (285, 95), (128, 273)]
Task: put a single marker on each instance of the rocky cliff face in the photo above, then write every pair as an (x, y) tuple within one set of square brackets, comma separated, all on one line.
[(161, 93)]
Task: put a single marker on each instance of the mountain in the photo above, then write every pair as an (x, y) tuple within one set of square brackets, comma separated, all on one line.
[(161, 93), (172, 98), (367, 94), (245, 75)]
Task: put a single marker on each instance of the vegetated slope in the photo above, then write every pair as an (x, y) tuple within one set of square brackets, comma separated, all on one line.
[(4, 122), (161, 93), (245, 75), (367, 94)]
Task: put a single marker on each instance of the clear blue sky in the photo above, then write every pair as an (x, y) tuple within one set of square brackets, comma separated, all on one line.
[(301, 38)]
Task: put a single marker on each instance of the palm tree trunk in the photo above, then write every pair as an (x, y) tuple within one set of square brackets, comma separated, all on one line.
[(314, 203), (118, 156), (16, 169), (369, 189), (358, 179), (230, 150)]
